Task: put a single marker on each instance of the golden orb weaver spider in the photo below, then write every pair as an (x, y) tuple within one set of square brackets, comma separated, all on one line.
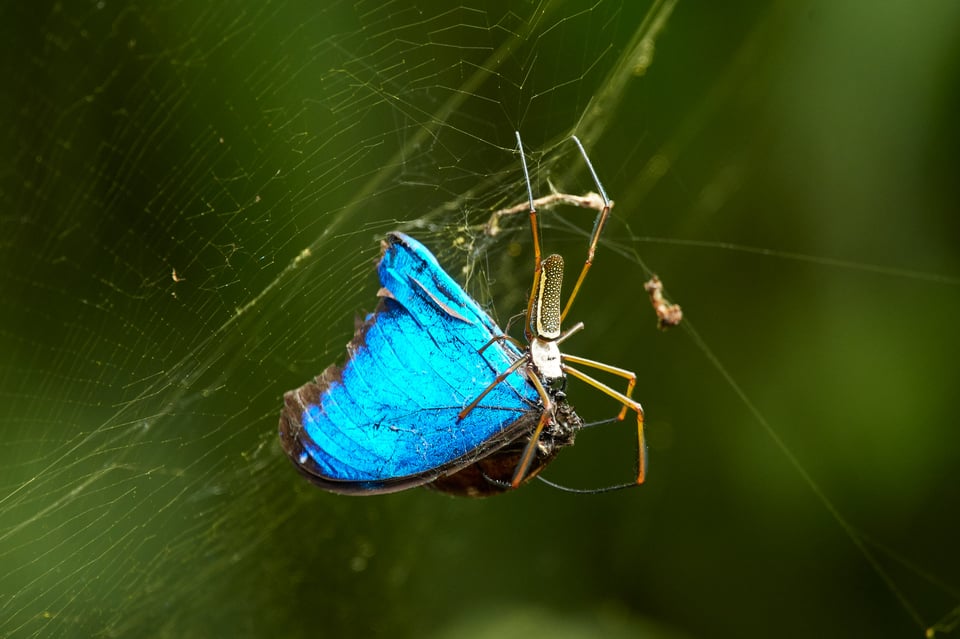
[(542, 362)]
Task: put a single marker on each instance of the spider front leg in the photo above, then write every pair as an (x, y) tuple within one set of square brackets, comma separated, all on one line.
[(535, 230), (624, 399), (602, 203), (598, 225)]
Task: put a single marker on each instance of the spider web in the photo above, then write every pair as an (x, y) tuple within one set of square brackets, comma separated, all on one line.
[(192, 198)]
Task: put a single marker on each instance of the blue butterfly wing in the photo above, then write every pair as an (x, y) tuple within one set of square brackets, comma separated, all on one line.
[(387, 419)]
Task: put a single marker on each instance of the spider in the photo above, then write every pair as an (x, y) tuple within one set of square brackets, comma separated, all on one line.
[(542, 362)]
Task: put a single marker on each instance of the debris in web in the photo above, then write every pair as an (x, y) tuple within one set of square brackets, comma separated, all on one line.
[(668, 314), (590, 200)]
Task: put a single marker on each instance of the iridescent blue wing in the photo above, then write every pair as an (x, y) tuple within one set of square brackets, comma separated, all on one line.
[(387, 420)]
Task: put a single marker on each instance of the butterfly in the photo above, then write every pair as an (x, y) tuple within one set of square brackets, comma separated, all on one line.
[(433, 393)]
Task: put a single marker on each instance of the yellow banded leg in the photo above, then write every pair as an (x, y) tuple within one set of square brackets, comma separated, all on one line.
[(628, 403), (530, 449), (630, 376)]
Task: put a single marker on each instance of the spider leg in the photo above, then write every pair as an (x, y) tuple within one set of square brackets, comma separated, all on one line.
[(499, 378), (530, 449), (630, 376), (570, 331), (627, 403), (502, 338), (535, 229), (594, 236)]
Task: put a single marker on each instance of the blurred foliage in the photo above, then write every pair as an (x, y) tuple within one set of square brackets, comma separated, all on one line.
[(190, 201)]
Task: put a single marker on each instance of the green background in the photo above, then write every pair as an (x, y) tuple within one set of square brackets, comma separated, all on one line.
[(789, 170)]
